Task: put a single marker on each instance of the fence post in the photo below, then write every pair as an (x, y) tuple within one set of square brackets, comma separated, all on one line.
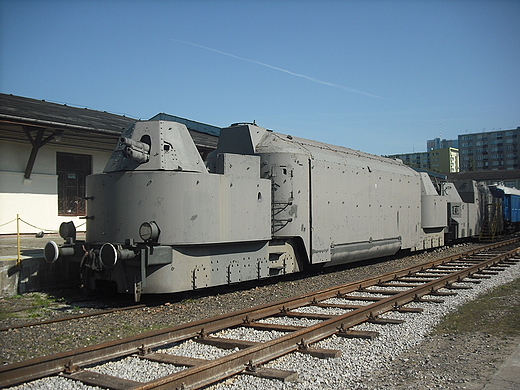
[(18, 259)]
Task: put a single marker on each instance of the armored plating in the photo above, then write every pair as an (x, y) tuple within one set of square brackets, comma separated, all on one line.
[(161, 220)]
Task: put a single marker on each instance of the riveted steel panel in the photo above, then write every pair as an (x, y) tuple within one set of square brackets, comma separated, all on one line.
[(170, 148), (238, 165), (342, 196), (196, 267), (184, 268), (289, 175), (189, 208), (353, 202), (433, 205)]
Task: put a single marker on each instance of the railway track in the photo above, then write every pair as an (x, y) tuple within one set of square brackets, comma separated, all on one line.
[(360, 302), (71, 317)]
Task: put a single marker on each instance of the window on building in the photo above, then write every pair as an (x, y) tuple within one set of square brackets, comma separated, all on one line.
[(72, 170)]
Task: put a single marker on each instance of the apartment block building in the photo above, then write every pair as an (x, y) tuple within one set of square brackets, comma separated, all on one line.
[(494, 150), (445, 160)]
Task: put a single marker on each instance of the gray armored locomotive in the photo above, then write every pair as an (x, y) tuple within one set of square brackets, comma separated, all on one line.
[(161, 220)]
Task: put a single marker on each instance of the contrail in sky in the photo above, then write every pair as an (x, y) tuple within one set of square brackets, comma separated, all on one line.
[(279, 69)]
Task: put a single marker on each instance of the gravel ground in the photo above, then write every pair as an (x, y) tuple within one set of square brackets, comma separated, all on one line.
[(435, 361)]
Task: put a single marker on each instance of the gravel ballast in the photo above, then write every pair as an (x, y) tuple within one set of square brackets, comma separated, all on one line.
[(402, 357), (378, 363)]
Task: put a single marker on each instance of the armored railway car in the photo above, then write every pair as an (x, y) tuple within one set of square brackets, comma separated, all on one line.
[(161, 220)]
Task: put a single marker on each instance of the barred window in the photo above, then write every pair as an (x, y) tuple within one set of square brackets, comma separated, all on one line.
[(72, 170)]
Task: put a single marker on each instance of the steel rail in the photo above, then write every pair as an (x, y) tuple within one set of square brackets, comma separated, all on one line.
[(21, 372), (72, 317)]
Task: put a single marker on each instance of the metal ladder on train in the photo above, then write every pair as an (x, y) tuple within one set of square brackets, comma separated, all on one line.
[(490, 224)]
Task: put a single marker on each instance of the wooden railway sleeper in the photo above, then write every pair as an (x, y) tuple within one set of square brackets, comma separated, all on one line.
[(410, 310), (351, 334), (321, 353), (374, 319), (270, 373), (487, 272), (475, 276), (424, 300), (511, 261), (501, 264), (96, 379), (462, 279), (496, 268), (436, 293), (401, 309), (451, 286)]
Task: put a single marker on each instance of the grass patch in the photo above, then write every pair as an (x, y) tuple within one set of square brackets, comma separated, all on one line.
[(41, 300), (13, 297), (29, 305), (496, 312), (4, 315)]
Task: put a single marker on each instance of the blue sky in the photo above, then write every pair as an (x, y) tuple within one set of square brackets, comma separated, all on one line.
[(377, 76)]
